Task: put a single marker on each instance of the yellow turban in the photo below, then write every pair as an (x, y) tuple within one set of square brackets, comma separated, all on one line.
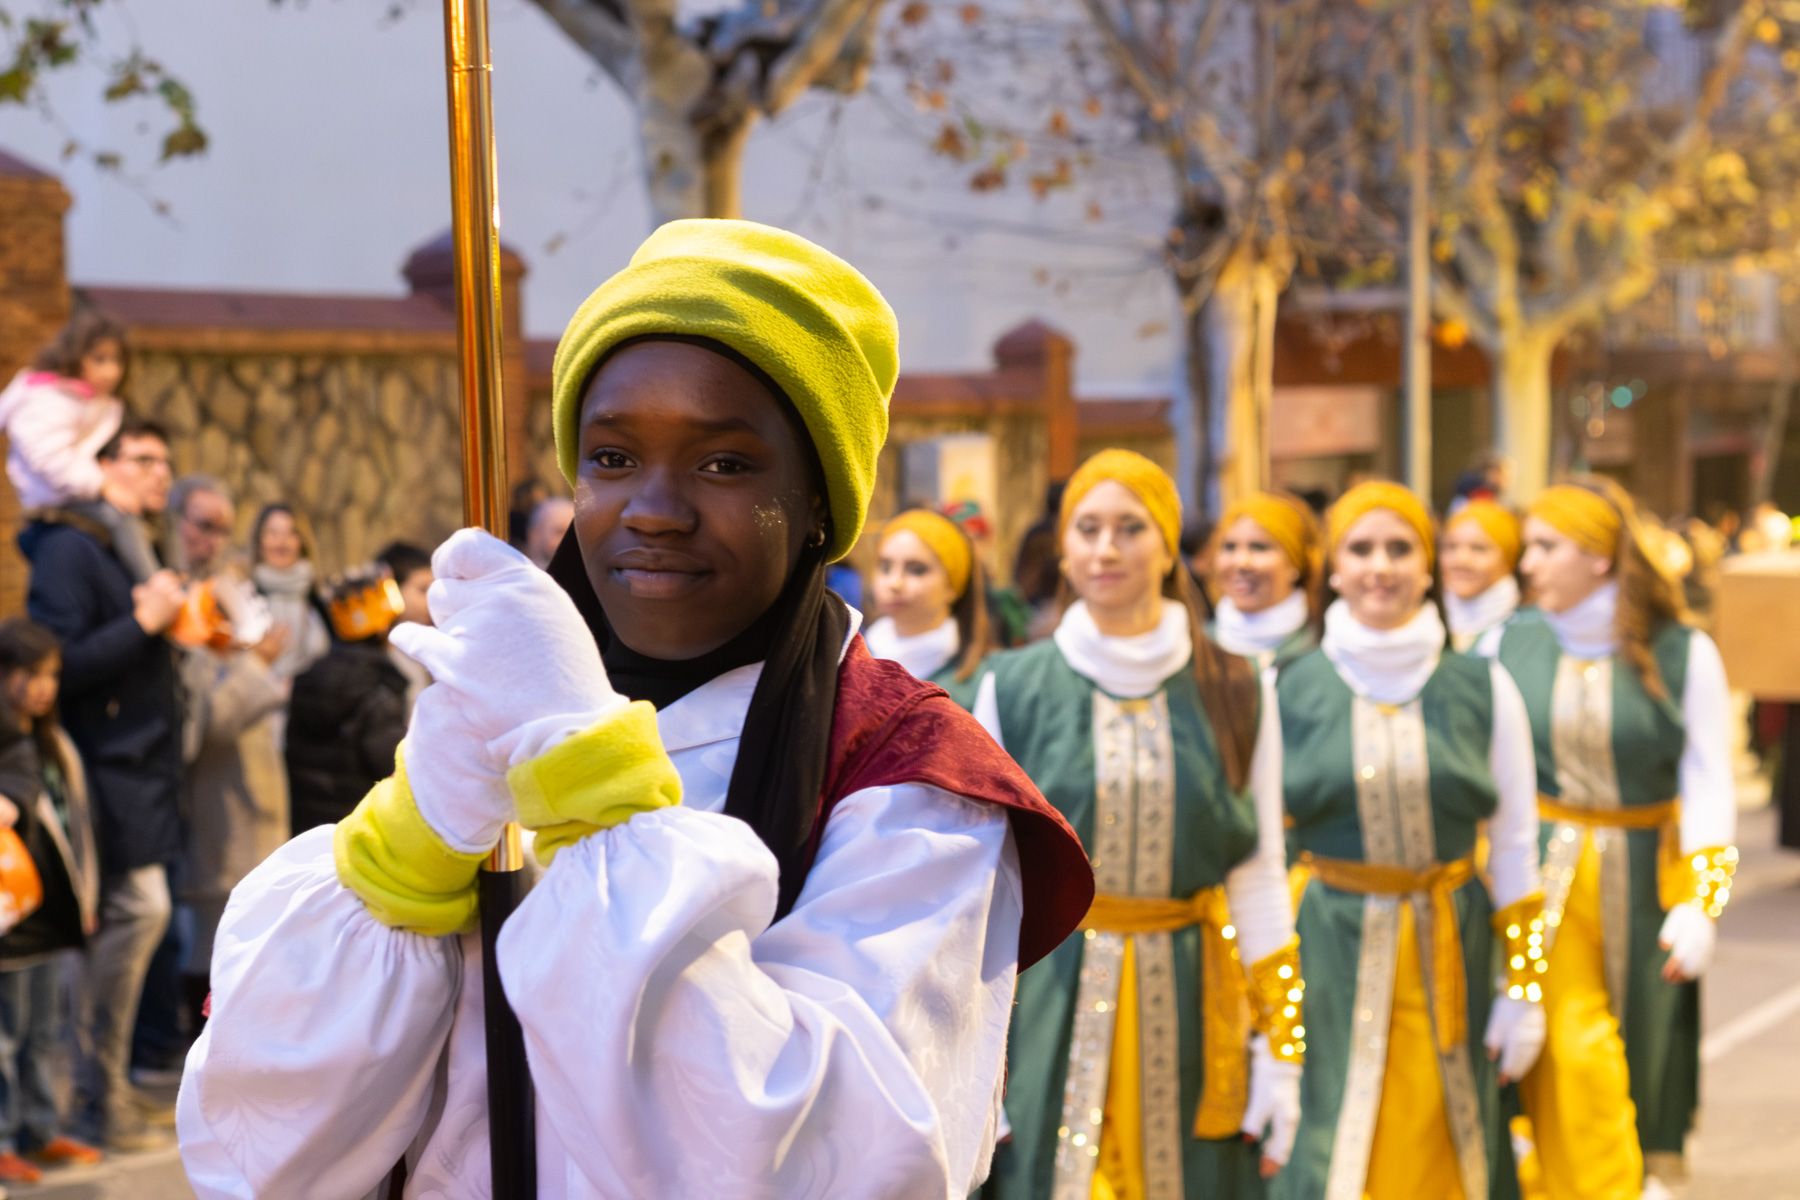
[(1498, 522), (1285, 518), (1586, 518), (802, 315), (1365, 498), (944, 538), (1138, 475)]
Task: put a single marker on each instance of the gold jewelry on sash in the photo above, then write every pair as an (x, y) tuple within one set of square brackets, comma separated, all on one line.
[(1520, 926)]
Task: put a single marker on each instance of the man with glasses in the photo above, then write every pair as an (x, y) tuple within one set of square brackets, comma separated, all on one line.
[(119, 703), (237, 785)]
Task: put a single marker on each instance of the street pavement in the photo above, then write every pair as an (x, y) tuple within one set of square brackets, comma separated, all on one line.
[(1748, 1143)]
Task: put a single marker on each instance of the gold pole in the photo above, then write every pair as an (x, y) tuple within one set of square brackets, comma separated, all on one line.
[(475, 242)]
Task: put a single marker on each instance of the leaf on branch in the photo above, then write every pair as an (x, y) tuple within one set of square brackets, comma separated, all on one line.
[(950, 143), (108, 160), (915, 13), (1058, 125), (184, 142), (970, 14), (988, 179), (129, 83)]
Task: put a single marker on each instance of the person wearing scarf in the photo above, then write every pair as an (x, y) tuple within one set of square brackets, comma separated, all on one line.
[(932, 597), (1393, 755), (1630, 714), (1148, 1046), (1480, 552), (1265, 560), (786, 886)]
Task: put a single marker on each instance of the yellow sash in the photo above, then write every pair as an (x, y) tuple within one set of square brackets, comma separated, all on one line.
[(1449, 986), (1225, 999), (1674, 881)]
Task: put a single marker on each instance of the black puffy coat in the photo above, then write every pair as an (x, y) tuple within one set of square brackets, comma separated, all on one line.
[(345, 721)]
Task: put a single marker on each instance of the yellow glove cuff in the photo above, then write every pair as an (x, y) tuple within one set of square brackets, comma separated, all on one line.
[(404, 872), (1703, 878), (1521, 929), (596, 779), (1277, 994)]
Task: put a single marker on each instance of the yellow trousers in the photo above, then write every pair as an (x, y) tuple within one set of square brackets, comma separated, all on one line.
[(1120, 1173), (1413, 1155), (1578, 1096)]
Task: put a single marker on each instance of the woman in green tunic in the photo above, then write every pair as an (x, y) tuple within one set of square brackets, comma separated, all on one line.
[(931, 597), (1393, 754), (1266, 561), (1133, 1069), (1629, 712)]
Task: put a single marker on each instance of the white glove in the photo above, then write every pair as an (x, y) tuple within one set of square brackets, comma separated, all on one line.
[(1273, 1111), (1689, 936), (514, 671), (1515, 1036)]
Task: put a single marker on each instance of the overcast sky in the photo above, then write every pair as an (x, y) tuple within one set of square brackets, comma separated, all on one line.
[(328, 164)]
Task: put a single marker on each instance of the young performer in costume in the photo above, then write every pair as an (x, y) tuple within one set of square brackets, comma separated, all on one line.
[(1133, 1069), (1480, 552), (774, 947), (1629, 711), (932, 597), (1393, 751), (1265, 560)]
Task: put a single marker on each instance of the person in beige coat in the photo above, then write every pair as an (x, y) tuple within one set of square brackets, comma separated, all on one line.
[(236, 790)]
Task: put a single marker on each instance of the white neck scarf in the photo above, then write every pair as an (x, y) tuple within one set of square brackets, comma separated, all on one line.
[(1388, 666), (923, 654), (1262, 632), (1475, 616), (1587, 629), (1126, 666)]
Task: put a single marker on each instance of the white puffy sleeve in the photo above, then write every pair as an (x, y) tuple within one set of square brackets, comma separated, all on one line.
[(1262, 906), (1513, 829), (317, 1067), (682, 1046), (1708, 785)]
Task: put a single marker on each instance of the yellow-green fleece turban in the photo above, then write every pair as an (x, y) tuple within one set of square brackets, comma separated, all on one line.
[(802, 315)]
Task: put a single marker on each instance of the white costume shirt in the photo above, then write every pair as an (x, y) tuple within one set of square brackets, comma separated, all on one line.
[(1476, 624), (1258, 635), (1256, 889), (1708, 786), (924, 654), (679, 1043), (1392, 666)]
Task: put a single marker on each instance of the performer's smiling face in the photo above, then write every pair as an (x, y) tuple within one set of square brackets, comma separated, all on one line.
[(695, 495)]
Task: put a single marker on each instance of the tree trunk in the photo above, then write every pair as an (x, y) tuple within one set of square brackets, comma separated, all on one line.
[(1522, 408), (724, 169), (1231, 348)]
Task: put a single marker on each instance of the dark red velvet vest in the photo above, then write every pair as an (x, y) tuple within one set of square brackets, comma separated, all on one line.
[(889, 728)]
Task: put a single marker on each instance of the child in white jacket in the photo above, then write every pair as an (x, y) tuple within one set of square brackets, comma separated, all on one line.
[(58, 413)]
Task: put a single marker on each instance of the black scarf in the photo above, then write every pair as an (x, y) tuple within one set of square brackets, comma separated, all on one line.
[(786, 740)]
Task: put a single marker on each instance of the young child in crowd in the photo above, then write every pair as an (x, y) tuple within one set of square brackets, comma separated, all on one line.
[(43, 797), (58, 415)]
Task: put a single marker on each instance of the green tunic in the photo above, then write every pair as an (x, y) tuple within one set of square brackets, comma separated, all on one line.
[(1636, 762), (962, 692), (1141, 783), (1402, 785)]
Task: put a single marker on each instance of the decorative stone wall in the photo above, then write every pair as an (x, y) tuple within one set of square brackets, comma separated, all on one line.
[(366, 446)]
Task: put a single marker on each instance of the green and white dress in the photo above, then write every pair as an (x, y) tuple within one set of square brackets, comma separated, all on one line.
[(1273, 637), (930, 656), (1604, 744), (1394, 754), (1113, 732)]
